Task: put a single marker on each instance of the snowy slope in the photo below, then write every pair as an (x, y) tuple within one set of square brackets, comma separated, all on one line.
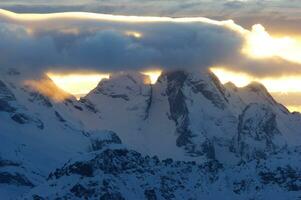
[(37, 133), (115, 172), (185, 137), (189, 116)]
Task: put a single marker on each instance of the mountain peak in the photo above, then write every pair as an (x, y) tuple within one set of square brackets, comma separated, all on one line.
[(256, 87), (125, 78)]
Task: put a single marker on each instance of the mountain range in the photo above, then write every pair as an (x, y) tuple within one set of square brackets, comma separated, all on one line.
[(185, 137)]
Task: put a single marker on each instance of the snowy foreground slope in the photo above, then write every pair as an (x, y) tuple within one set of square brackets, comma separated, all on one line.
[(186, 137)]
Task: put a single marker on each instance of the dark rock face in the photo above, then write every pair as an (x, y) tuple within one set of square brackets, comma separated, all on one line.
[(257, 126), (107, 137), (150, 194), (285, 177), (5, 106), (148, 101), (79, 168), (80, 191), (108, 175), (112, 196), (14, 179), (37, 97), (8, 163), (22, 118), (6, 97), (115, 172), (60, 118), (90, 106), (175, 94), (180, 114), (178, 108), (78, 107), (215, 95), (118, 174)]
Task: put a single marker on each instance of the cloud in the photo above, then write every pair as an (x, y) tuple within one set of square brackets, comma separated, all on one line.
[(279, 16), (102, 42), (106, 43)]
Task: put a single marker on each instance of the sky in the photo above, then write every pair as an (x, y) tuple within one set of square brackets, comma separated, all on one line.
[(271, 50)]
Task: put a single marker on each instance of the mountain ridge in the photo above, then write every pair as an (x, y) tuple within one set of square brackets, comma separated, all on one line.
[(186, 124)]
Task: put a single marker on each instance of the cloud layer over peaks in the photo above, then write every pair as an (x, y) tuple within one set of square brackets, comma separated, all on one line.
[(106, 43)]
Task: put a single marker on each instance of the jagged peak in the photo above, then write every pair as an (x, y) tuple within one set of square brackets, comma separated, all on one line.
[(230, 85), (122, 85), (195, 75), (261, 92), (125, 78), (256, 87), (173, 75)]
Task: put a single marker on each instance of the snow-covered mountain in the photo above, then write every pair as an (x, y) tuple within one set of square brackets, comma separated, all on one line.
[(192, 116), (185, 137), (38, 133)]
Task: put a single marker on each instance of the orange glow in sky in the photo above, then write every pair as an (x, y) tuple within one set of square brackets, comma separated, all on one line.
[(153, 75), (77, 84)]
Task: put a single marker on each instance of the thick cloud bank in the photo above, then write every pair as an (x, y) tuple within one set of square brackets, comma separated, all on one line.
[(87, 41)]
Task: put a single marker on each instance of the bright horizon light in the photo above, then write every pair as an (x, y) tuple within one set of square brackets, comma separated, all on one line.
[(282, 84), (134, 34), (81, 84), (153, 75), (77, 84), (260, 44)]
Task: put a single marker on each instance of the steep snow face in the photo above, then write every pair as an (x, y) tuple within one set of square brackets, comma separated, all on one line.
[(255, 93), (37, 133), (188, 116), (199, 109), (123, 103), (258, 133), (6, 98), (171, 114)]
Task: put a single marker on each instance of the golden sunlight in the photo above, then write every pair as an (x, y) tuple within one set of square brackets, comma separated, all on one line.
[(261, 44), (294, 108), (278, 87), (153, 75), (282, 84), (81, 84), (77, 84), (48, 88), (239, 79), (134, 34)]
